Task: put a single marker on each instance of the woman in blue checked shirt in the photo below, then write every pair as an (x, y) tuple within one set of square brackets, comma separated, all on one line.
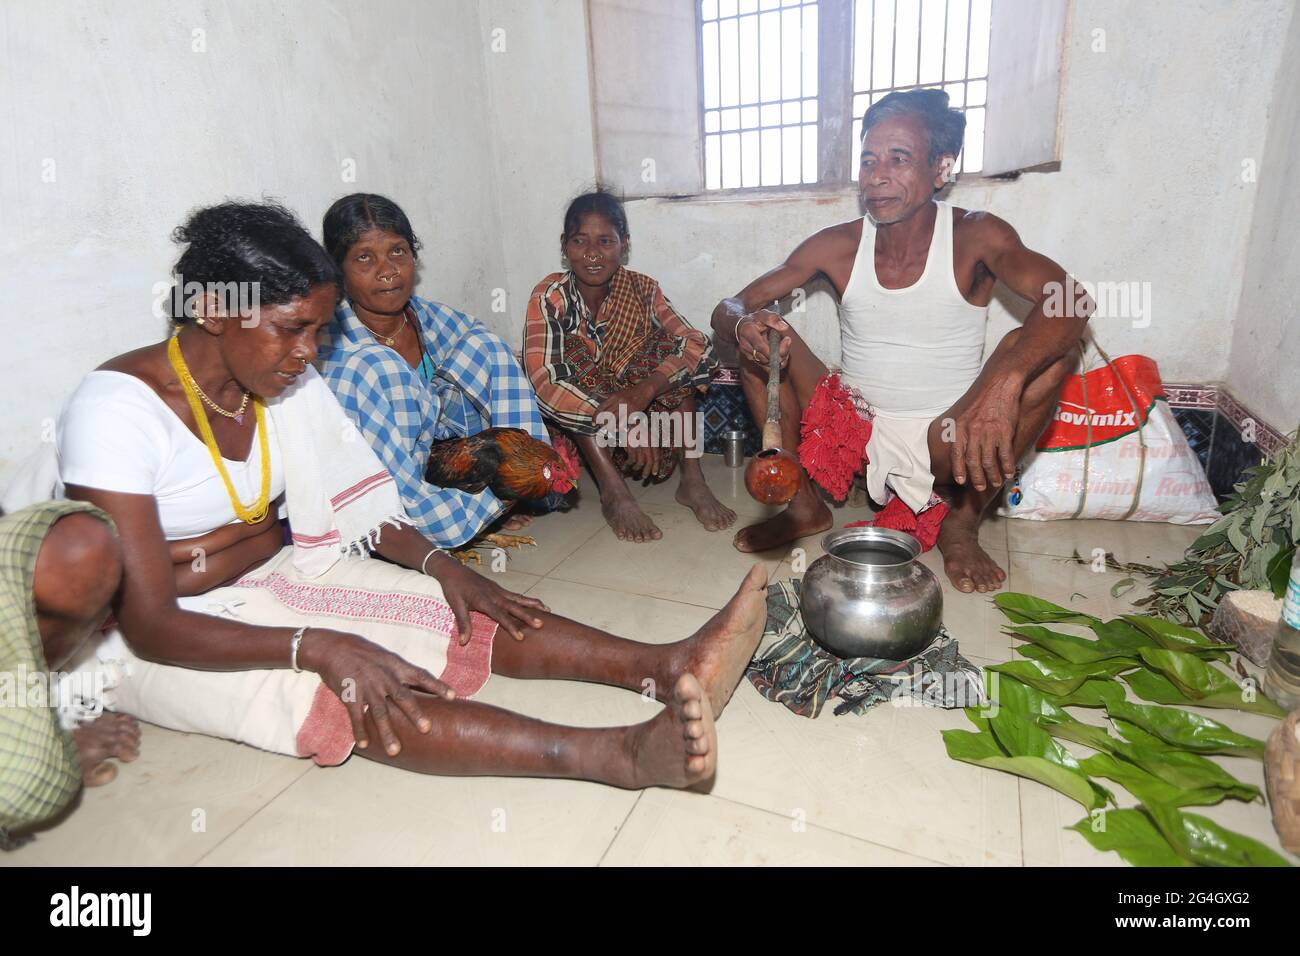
[(409, 371)]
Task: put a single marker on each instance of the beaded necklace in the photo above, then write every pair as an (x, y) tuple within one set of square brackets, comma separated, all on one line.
[(258, 510)]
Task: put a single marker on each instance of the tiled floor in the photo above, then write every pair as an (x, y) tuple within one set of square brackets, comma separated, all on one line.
[(876, 789)]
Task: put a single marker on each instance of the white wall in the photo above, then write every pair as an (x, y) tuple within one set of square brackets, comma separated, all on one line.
[(1264, 371), (1150, 188), (536, 66), (141, 128)]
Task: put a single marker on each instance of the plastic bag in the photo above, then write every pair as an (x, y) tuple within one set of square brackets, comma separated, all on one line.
[(1113, 450)]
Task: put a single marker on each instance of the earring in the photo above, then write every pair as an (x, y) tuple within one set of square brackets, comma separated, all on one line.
[(200, 321)]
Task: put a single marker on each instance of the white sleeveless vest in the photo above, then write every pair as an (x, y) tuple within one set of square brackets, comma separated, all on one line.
[(910, 353)]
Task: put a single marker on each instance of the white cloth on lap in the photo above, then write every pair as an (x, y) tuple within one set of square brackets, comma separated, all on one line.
[(281, 710), (898, 461)]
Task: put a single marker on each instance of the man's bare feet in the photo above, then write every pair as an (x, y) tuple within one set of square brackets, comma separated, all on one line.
[(796, 521), (516, 522), (719, 651), (694, 493), (679, 747), (627, 519), (967, 565), (104, 738)]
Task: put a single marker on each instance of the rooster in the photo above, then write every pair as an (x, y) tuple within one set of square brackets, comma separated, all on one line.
[(513, 464), (509, 461)]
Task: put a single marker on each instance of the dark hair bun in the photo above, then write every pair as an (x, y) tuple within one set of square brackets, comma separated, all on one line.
[(261, 243)]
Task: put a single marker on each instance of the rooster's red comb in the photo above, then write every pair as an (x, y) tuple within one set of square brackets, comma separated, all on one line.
[(568, 452)]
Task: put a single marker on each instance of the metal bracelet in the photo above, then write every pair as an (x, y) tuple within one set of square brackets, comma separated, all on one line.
[(425, 562), (294, 643)]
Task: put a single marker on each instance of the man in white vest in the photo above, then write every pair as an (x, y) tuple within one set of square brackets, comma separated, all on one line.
[(914, 278)]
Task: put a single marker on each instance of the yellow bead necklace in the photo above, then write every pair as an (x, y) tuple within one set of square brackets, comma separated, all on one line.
[(257, 511)]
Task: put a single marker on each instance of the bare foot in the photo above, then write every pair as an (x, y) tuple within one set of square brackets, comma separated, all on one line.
[(516, 522), (719, 651), (791, 524), (968, 565), (629, 522), (709, 511), (107, 736), (678, 748)]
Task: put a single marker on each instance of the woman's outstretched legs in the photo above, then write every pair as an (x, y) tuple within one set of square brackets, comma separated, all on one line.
[(677, 748), (694, 678), (716, 654)]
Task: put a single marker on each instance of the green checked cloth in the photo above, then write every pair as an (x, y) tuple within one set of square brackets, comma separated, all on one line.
[(798, 672), (39, 773)]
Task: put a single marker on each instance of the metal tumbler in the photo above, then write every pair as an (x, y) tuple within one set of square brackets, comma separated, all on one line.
[(733, 448)]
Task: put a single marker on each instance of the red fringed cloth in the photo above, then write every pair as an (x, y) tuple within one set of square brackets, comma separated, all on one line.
[(833, 437), (833, 449), (924, 527)]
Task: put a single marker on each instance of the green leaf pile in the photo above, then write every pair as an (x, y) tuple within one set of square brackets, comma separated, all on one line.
[(1018, 746), (1160, 836), (1158, 753)]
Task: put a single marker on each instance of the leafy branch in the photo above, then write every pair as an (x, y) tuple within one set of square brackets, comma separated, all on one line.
[(1251, 547)]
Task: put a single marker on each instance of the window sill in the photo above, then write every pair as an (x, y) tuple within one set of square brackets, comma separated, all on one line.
[(760, 194), (811, 191)]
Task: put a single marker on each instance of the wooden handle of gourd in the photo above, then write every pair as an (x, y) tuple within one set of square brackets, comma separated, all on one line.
[(772, 426)]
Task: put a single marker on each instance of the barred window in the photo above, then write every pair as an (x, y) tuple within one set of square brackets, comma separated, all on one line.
[(710, 96), (758, 75), (935, 44), (782, 82)]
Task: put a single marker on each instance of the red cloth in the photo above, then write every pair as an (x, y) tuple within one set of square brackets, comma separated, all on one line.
[(326, 732), (833, 437), (898, 516), (833, 449)]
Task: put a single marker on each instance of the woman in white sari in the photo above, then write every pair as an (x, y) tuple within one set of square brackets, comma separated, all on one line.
[(197, 445)]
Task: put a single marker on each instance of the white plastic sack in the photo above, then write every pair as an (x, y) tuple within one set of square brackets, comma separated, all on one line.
[(1113, 450)]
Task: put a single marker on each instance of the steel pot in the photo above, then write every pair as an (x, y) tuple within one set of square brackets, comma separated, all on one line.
[(868, 596)]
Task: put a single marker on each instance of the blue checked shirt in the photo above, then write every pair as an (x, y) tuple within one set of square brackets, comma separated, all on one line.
[(477, 384)]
